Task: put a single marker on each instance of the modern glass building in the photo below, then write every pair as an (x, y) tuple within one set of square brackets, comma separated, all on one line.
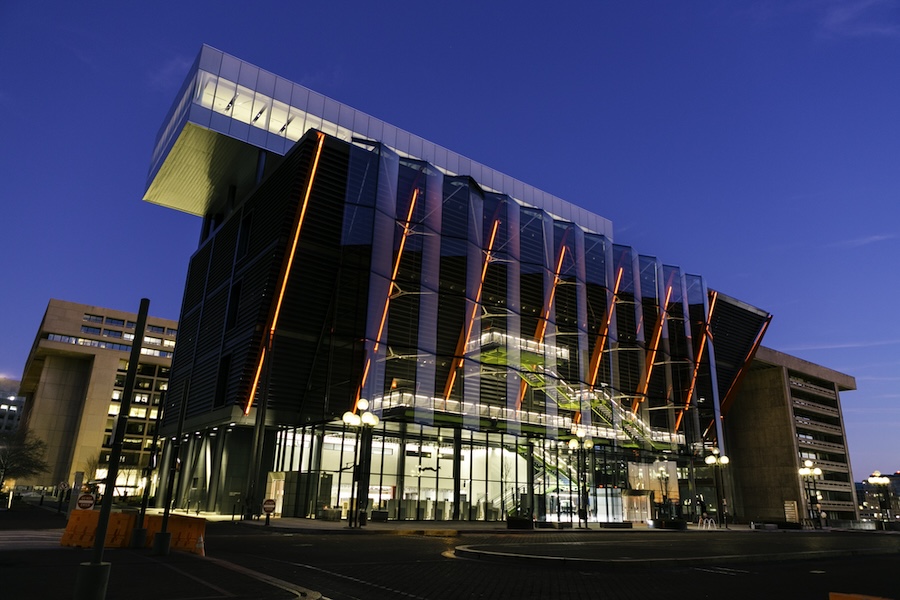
[(518, 360)]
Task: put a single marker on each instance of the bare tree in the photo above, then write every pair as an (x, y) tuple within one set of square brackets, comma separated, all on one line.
[(21, 455), (90, 468)]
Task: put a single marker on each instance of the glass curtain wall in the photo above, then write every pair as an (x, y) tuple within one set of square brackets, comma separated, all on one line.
[(425, 472), (495, 336)]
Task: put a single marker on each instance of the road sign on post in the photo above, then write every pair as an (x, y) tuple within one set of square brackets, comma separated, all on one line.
[(268, 507), (85, 501)]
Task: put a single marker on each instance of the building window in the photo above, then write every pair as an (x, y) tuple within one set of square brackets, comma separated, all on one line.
[(243, 241), (172, 332), (222, 380), (233, 301), (159, 353), (147, 370), (156, 329), (93, 318), (115, 322), (152, 341), (90, 330), (168, 343), (130, 324), (112, 333)]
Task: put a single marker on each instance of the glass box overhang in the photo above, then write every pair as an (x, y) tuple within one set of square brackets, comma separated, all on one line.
[(228, 110)]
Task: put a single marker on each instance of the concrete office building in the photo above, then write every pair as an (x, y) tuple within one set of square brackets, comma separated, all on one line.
[(518, 360), (788, 412), (73, 383)]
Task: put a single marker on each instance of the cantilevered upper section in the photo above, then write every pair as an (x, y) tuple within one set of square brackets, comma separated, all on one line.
[(208, 148)]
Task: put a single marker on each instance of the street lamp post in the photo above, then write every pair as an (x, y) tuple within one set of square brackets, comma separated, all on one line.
[(581, 444), (363, 422), (882, 484), (662, 474), (716, 460), (809, 472)]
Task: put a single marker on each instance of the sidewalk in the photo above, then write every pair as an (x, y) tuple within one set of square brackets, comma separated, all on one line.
[(33, 565)]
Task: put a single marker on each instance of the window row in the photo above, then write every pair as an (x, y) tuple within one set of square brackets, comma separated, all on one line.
[(113, 322)]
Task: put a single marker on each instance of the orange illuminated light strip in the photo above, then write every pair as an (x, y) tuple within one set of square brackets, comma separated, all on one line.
[(542, 324), (387, 301), (601, 338), (464, 338), (706, 333), (654, 348), (729, 396), (287, 270)]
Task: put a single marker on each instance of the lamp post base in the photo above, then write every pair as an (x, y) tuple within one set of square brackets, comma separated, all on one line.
[(91, 581), (161, 543)]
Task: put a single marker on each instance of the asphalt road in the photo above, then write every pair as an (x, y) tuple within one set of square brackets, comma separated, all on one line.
[(246, 561), (374, 566)]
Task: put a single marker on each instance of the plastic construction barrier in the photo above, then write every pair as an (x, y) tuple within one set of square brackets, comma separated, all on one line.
[(82, 527), (187, 532)]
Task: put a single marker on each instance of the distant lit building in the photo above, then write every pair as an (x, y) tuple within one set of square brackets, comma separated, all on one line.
[(787, 412), (10, 413), (73, 383), (879, 498), (519, 361)]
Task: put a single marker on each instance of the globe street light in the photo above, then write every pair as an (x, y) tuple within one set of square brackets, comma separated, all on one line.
[(362, 422), (662, 474), (717, 461), (581, 444), (883, 484), (809, 472)]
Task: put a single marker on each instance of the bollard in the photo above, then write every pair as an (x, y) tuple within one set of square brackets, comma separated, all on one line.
[(267, 519)]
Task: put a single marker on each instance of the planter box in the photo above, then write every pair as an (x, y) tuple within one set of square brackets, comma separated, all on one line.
[(519, 523), (554, 524), (330, 514)]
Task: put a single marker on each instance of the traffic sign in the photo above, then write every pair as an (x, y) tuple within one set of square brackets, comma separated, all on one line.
[(85, 501), (268, 506), (62, 486)]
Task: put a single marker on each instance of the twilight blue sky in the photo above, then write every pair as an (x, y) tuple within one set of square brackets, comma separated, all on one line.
[(755, 143)]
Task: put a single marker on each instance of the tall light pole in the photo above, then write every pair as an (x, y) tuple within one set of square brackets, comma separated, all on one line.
[(580, 444), (809, 472), (716, 461), (882, 484), (662, 474), (363, 422)]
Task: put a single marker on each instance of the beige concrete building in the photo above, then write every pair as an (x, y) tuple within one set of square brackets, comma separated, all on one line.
[(73, 384), (788, 412)]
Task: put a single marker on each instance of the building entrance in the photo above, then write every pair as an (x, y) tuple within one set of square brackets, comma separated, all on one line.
[(433, 473)]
